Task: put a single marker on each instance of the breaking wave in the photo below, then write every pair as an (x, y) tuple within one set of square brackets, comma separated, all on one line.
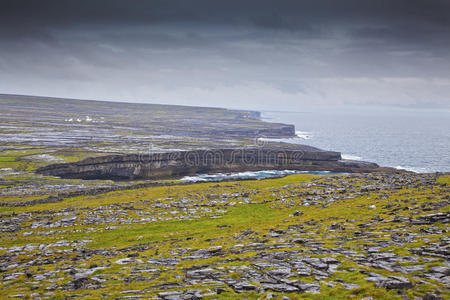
[(415, 169), (350, 157), (250, 175), (304, 135)]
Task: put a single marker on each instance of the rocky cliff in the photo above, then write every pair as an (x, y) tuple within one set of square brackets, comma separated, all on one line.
[(180, 163)]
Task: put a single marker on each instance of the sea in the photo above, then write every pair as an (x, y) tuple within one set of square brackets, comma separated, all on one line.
[(414, 140), (259, 175)]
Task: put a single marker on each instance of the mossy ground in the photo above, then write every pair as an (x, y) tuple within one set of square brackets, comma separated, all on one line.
[(303, 215)]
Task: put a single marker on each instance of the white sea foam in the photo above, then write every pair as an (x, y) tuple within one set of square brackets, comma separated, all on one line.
[(249, 175), (238, 175), (350, 157), (415, 169), (304, 135)]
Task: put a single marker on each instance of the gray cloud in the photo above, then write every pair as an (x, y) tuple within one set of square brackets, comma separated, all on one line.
[(247, 54), (274, 14)]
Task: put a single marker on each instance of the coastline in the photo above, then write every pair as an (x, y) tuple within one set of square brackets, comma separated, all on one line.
[(402, 141)]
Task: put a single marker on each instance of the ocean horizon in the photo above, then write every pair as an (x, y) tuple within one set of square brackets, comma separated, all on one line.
[(412, 140)]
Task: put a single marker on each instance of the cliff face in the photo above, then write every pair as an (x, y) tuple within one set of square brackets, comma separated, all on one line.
[(159, 165)]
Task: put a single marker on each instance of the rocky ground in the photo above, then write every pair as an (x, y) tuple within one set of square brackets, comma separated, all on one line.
[(38, 131), (60, 130), (373, 236)]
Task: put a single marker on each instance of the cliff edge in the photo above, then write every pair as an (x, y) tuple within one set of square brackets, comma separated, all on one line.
[(180, 163)]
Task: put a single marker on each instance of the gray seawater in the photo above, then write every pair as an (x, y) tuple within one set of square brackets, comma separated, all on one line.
[(250, 175), (413, 140)]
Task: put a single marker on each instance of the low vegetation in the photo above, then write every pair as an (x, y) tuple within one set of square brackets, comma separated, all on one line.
[(301, 236)]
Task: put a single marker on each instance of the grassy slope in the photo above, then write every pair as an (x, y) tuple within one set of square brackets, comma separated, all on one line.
[(264, 213)]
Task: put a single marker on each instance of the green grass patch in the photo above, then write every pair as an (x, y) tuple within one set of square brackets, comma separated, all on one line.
[(444, 179)]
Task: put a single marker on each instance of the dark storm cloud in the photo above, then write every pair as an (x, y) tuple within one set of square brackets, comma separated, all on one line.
[(256, 53), (424, 23), (276, 14)]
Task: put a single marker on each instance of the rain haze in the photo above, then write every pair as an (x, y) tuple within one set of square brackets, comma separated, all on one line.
[(266, 55)]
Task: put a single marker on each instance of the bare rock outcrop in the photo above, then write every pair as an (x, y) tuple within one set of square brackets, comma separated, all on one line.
[(179, 163)]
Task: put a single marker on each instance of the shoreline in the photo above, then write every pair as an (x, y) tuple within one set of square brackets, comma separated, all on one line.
[(385, 148)]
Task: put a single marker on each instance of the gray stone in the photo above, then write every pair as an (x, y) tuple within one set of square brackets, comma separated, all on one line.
[(244, 287), (442, 270), (279, 287), (170, 295), (350, 286), (129, 260), (309, 287), (396, 282)]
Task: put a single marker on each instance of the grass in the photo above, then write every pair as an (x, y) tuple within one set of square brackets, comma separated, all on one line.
[(444, 179), (249, 217), (271, 205)]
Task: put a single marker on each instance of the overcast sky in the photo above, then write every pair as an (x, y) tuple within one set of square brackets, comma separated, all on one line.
[(257, 54)]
